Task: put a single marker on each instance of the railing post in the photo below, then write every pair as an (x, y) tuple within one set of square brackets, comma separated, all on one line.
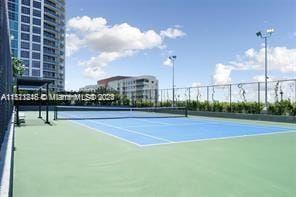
[(230, 96), (189, 94), (295, 91), (258, 93), (161, 98), (208, 98)]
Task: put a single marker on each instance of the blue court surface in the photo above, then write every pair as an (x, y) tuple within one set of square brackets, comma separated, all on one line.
[(158, 131)]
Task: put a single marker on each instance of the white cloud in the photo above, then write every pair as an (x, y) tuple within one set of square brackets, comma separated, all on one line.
[(172, 33), (110, 43), (261, 78), (280, 59), (122, 37), (222, 74), (85, 24), (168, 62), (94, 66), (73, 44), (94, 72), (196, 84), (250, 53)]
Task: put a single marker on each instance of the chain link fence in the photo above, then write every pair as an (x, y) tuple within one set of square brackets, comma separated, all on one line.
[(6, 76), (241, 92), (239, 97)]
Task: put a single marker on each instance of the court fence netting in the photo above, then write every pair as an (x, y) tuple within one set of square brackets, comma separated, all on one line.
[(84, 112), (6, 107)]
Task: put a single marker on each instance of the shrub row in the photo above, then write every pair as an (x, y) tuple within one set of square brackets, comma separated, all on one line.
[(285, 107)]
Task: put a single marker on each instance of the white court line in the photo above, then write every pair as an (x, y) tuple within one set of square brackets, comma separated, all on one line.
[(167, 142), (229, 121), (106, 133), (103, 132), (219, 138), (167, 125), (154, 122), (130, 131)]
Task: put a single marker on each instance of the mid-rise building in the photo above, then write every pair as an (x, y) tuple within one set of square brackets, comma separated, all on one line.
[(141, 88), (89, 88), (37, 29), (104, 82)]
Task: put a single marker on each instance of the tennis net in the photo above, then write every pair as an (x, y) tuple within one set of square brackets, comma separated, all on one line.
[(83, 112)]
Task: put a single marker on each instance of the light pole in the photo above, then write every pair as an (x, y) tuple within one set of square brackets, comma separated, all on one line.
[(173, 58), (264, 35)]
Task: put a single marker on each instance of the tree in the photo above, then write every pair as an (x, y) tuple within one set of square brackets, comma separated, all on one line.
[(18, 67)]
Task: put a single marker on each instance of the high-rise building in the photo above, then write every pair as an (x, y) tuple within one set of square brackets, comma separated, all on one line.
[(13, 7), (37, 29)]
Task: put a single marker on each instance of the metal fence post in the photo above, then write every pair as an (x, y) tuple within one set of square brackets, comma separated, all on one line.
[(160, 97), (208, 98), (189, 94), (230, 95), (295, 91), (259, 99), (258, 93)]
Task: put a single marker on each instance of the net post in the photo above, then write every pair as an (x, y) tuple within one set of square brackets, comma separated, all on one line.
[(186, 111), (55, 112), (230, 97), (47, 104), (40, 116)]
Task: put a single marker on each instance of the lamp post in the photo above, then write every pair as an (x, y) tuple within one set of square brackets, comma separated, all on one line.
[(173, 58), (264, 35)]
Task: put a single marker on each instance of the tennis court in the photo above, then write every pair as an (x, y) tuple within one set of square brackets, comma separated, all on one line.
[(137, 154), (150, 126)]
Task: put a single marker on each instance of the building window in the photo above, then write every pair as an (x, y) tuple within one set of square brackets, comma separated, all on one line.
[(25, 19), (36, 38), (14, 44), (14, 35), (25, 28), (36, 4), (26, 2), (36, 13), (13, 25), (25, 36), (25, 45), (25, 54), (12, 16), (36, 56), (26, 10), (12, 7), (35, 64), (26, 72), (35, 73), (36, 21), (26, 63), (14, 52), (36, 30), (36, 47)]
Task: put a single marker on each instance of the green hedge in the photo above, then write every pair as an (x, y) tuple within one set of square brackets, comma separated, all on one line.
[(285, 107)]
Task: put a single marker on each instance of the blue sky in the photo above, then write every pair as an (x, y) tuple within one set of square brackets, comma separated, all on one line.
[(218, 43)]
